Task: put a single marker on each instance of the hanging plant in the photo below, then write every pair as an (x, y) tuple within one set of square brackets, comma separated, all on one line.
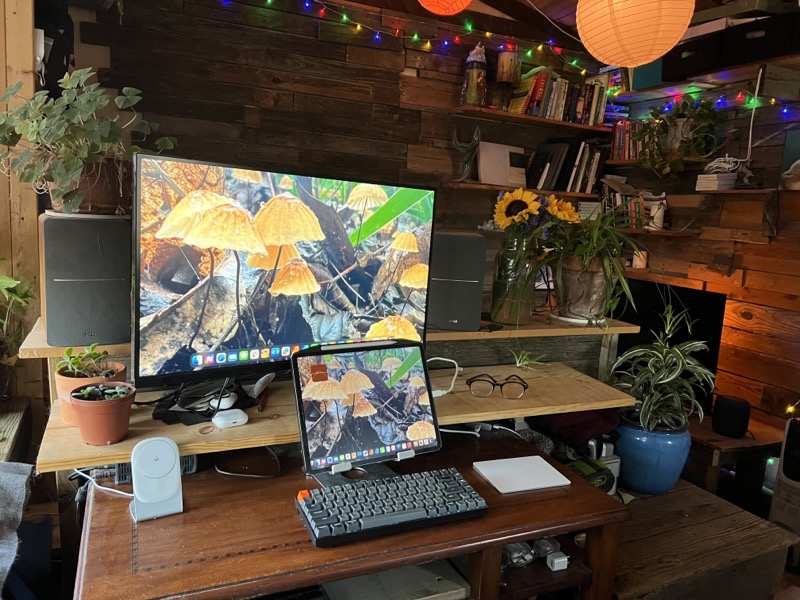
[(668, 137)]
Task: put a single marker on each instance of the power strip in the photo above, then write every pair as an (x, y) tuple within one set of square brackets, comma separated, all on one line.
[(122, 471)]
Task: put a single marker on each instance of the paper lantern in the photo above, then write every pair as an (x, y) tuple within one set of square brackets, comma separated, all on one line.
[(445, 7), (629, 33)]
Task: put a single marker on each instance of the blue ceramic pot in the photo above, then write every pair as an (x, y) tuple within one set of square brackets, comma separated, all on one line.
[(651, 461)]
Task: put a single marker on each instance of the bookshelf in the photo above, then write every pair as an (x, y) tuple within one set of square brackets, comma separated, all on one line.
[(501, 116), (486, 187)]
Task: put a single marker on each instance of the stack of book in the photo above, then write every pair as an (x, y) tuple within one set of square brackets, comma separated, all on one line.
[(625, 146), (572, 166), (715, 181), (544, 93)]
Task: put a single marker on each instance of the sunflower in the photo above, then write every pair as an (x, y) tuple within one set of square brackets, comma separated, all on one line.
[(515, 207), (563, 210)]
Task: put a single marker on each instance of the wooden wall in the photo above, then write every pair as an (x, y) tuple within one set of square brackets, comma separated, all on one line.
[(18, 203), (241, 83)]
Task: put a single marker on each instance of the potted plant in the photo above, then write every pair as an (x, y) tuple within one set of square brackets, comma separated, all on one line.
[(663, 377), (64, 145), (677, 131), (89, 367), (14, 296), (103, 412), (587, 261)]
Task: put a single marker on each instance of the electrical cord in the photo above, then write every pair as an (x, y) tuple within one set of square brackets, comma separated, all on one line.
[(516, 433), (553, 23), (440, 393), (102, 487), (728, 164), (466, 431)]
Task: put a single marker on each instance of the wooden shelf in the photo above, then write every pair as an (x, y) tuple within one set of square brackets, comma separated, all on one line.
[(486, 187), (35, 345), (662, 232), (542, 326), (554, 388), (490, 114), (633, 162), (735, 192), (537, 578)]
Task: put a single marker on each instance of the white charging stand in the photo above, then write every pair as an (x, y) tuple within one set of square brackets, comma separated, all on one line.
[(156, 478)]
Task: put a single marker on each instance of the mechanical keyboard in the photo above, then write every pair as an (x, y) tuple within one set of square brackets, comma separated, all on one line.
[(341, 514)]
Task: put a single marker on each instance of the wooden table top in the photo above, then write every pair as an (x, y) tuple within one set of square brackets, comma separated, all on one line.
[(240, 537), (762, 435), (688, 533), (554, 388)]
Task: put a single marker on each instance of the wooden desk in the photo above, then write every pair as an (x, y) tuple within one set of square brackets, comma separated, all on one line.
[(554, 388), (711, 452), (241, 537)]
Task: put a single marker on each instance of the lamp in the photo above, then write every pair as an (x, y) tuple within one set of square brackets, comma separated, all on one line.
[(445, 7), (629, 33)]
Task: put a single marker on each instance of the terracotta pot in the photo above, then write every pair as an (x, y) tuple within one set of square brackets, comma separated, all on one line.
[(65, 385), (103, 422)]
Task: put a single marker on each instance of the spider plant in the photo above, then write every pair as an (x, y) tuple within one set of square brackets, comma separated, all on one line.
[(664, 377)]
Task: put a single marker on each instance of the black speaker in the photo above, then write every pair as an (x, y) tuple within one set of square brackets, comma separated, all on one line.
[(85, 264), (455, 292), (731, 416)]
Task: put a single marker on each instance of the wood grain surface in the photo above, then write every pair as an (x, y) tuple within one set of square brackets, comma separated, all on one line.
[(240, 537), (554, 388)]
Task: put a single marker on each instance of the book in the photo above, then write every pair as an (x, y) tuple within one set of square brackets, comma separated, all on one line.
[(565, 175), (538, 92), (559, 152), (600, 83), (592, 172), (536, 166), (523, 473), (521, 96), (575, 164)]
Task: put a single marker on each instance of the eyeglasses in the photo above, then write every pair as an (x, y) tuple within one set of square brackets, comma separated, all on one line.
[(483, 386)]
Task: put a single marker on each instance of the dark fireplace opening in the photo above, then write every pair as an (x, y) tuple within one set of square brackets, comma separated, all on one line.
[(706, 309)]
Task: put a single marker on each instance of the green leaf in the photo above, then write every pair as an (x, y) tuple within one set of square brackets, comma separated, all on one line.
[(166, 143), (11, 91), (410, 361), (400, 202)]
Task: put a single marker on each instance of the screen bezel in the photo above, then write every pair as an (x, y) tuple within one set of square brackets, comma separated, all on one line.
[(345, 349), (250, 370)]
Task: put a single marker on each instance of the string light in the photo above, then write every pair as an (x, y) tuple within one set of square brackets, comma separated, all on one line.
[(324, 8)]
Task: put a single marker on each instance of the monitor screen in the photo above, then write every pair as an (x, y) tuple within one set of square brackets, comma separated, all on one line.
[(363, 405), (237, 269)]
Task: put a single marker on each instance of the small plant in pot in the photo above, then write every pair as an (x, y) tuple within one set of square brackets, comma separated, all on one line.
[(64, 145), (587, 261), (664, 378), (103, 412), (87, 367), (678, 131)]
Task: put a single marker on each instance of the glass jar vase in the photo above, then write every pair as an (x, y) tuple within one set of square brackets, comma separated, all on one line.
[(513, 282)]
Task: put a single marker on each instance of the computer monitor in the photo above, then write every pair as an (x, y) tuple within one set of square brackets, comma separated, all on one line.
[(235, 269), (363, 403)]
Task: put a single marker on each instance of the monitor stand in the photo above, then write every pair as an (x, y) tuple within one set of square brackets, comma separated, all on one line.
[(344, 473)]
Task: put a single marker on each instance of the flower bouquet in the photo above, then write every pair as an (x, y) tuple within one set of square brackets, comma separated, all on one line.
[(527, 220)]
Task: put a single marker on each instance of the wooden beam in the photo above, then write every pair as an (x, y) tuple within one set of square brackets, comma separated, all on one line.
[(484, 22), (529, 16)]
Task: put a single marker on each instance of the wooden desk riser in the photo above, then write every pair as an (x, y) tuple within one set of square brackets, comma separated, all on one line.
[(554, 388), (241, 537)]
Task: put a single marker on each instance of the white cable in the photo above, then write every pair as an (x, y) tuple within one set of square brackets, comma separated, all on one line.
[(440, 393), (102, 487), (727, 164), (553, 23), (475, 433), (516, 433)]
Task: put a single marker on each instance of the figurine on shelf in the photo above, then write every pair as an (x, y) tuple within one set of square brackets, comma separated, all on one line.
[(473, 92), (469, 151)]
